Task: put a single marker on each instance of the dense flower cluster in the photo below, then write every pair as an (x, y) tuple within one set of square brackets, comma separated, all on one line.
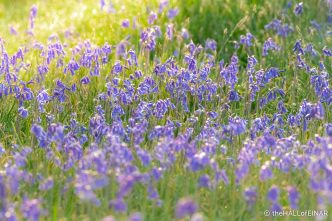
[(110, 117)]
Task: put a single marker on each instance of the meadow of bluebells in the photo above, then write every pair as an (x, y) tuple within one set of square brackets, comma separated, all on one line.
[(145, 120)]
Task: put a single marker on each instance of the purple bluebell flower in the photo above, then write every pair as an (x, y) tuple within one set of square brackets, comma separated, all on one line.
[(40, 134), (237, 125), (172, 13), (185, 207), (266, 172), (119, 205), (162, 5), (199, 161), (135, 217), (316, 25), (33, 14), (298, 47), (72, 66), (298, 10), (246, 40), (2, 151), (23, 112), (184, 33), (327, 51), (85, 80), (152, 17), (204, 181), (281, 29), (233, 96), (329, 129), (12, 30), (211, 44), (293, 196), (31, 209), (125, 23), (273, 194), (250, 195), (47, 184), (102, 4), (117, 68), (170, 31), (269, 45)]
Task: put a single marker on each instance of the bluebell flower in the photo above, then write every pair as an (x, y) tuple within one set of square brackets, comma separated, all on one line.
[(327, 51), (172, 13), (298, 47), (23, 112), (170, 31), (119, 205), (250, 195), (204, 181), (125, 23), (269, 45), (185, 207), (85, 80), (246, 40), (33, 15), (298, 10), (329, 129), (162, 5), (32, 210), (152, 17), (211, 45), (281, 29), (273, 194)]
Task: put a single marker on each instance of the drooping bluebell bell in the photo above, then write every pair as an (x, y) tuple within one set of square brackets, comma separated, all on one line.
[(117, 68), (269, 45), (327, 51), (246, 40), (250, 195), (211, 44), (170, 31), (125, 23), (33, 14), (85, 80), (329, 129), (316, 25), (204, 181), (281, 29), (72, 67), (229, 73), (152, 17), (172, 13), (47, 184), (12, 30), (266, 172), (162, 5), (237, 125), (185, 33), (31, 209), (23, 112), (298, 47), (185, 207), (40, 134), (293, 196), (298, 10), (273, 194), (132, 60), (233, 96)]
